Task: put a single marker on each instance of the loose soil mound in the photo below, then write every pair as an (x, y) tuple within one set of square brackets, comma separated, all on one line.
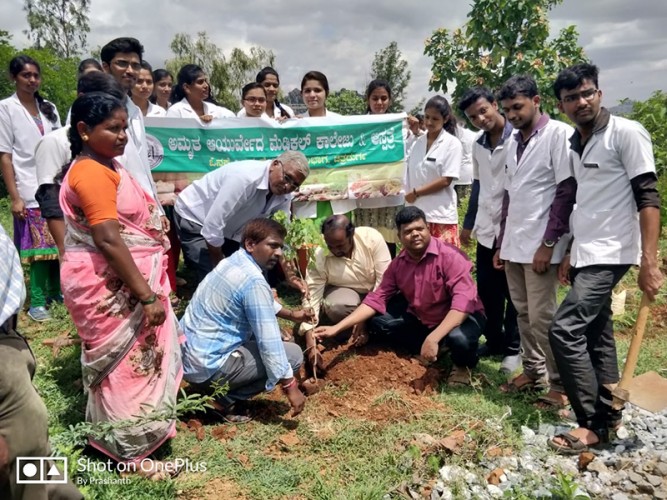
[(375, 384)]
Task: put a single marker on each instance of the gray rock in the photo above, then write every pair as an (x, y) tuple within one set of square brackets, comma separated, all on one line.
[(654, 480), (660, 469), (527, 434), (447, 495), (634, 477), (450, 473), (619, 496), (594, 488), (619, 449), (494, 491), (660, 494), (547, 430), (645, 487), (598, 466), (622, 433), (470, 478), (628, 486)]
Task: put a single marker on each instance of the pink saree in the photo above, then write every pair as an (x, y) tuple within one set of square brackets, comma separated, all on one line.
[(129, 370)]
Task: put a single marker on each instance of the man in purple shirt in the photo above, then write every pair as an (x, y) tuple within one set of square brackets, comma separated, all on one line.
[(427, 300)]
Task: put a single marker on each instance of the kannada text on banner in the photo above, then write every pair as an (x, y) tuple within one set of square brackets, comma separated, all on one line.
[(349, 156)]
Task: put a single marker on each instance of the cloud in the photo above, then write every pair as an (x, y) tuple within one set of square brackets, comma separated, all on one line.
[(626, 39)]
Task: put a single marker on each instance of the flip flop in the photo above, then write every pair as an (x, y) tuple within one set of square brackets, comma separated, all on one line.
[(574, 445), (545, 402), (530, 385), (228, 416)]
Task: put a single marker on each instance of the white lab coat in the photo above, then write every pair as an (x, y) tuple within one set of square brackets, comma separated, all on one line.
[(443, 159), (276, 111), (531, 184), (182, 109), (19, 136), (467, 138), (606, 222)]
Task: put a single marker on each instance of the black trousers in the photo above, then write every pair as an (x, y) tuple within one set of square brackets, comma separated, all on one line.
[(582, 341), (501, 330), (195, 248), (404, 331)]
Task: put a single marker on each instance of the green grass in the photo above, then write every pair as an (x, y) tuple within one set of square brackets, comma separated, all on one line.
[(337, 457)]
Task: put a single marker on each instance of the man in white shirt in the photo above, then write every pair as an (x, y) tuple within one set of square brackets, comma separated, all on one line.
[(352, 266), (534, 220), (489, 153), (210, 213), (616, 225), (121, 58)]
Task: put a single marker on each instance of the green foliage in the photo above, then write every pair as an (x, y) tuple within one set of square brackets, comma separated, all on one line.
[(58, 74), (652, 113), (502, 38), (566, 488), (301, 233), (226, 75), (60, 25), (346, 102), (388, 64)]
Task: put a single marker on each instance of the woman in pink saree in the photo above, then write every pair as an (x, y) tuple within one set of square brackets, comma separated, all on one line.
[(114, 281)]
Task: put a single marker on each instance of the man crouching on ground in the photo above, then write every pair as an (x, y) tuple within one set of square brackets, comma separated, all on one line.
[(231, 329), (427, 300)]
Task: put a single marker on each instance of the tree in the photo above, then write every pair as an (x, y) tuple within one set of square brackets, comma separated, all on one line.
[(388, 64), (346, 102), (61, 25), (503, 38), (226, 75), (652, 113)]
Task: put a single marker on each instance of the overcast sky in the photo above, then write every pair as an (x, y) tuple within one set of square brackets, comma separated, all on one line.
[(627, 39)]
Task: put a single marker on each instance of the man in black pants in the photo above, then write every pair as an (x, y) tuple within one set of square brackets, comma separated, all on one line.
[(483, 221), (616, 221), (427, 300)]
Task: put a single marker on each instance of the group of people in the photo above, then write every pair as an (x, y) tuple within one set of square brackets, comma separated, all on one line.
[(549, 202)]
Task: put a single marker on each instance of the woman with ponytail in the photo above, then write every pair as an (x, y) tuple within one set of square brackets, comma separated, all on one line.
[(269, 79), (191, 97), (115, 285), (434, 162), (25, 117)]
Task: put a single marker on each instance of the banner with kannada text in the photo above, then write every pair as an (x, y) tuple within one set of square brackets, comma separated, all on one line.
[(349, 156)]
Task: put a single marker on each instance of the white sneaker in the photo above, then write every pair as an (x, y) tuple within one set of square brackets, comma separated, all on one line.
[(510, 364)]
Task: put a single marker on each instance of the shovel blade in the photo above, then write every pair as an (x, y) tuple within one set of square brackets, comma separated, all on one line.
[(649, 391)]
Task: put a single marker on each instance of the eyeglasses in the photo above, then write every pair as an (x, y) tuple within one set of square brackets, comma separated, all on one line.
[(587, 95), (123, 64), (287, 179), (254, 100)]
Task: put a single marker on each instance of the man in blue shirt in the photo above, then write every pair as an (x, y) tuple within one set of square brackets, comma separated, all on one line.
[(231, 328)]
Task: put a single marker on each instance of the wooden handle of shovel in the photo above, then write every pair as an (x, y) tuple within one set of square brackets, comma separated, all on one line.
[(637, 336)]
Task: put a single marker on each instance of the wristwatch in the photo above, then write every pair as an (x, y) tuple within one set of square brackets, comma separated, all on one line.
[(549, 243)]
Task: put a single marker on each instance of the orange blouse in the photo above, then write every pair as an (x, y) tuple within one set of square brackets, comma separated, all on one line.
[(96, 187)]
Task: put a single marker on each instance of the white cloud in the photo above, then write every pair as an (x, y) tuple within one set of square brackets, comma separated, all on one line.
[(626, 39)]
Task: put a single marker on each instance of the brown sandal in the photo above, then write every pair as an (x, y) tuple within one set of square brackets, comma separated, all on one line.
[(547, 402), (459, 377), (529, 385)]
